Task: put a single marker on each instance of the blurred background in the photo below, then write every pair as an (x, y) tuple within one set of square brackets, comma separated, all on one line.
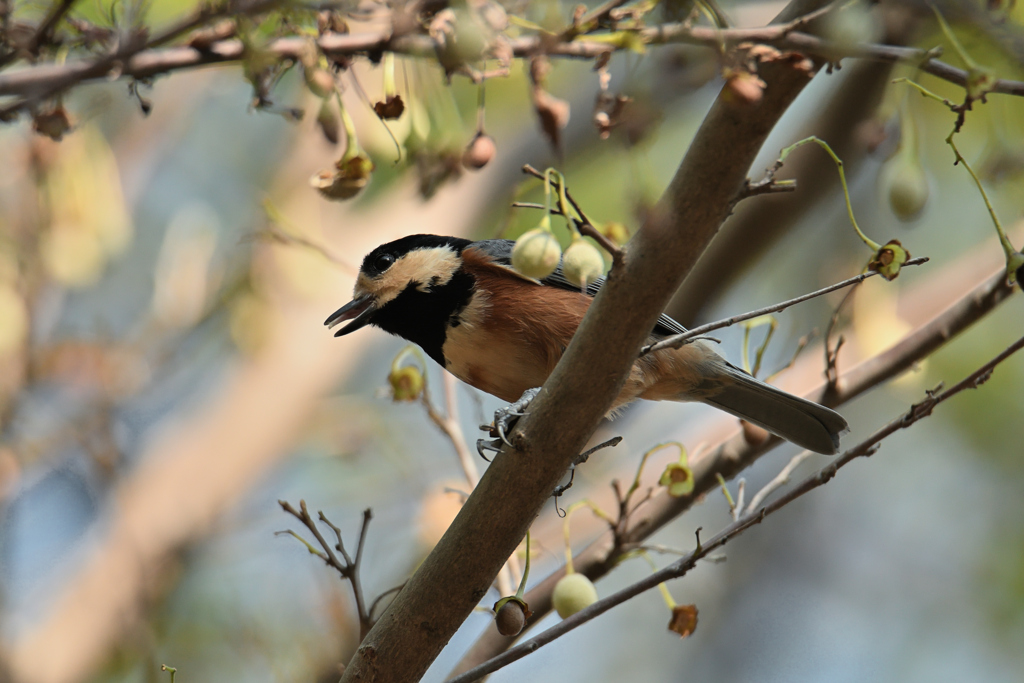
[(165, 377)]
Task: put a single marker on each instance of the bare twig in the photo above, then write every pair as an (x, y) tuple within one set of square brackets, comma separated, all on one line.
[(682, 566), (42, 80), (349, 568), (452, 428), (376, 601), (276, 234), (780, 480), (45, 31), (832, 352), (675, 341)]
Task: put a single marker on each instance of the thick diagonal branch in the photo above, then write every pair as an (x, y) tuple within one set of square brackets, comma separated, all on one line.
[(456, 575)]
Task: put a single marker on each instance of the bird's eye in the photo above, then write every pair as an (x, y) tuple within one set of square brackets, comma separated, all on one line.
[(383, 262)]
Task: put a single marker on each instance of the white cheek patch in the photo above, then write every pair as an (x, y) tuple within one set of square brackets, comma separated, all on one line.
[(425, 267)]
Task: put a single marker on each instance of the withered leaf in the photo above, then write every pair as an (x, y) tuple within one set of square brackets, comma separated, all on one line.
[(684, 620)]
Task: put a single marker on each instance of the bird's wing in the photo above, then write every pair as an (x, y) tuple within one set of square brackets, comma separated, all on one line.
[(501, 252)]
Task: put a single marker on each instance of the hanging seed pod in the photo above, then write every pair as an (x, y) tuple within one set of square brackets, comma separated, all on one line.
[(908, 186), (329, 123), (582, 263), (510, 618), (572, 593), (537, 252), (479, 152)]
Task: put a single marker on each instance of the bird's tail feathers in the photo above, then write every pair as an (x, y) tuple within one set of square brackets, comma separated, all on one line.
[(795, 419)]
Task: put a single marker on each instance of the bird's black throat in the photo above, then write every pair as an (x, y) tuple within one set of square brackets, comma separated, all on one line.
[(423, 317)]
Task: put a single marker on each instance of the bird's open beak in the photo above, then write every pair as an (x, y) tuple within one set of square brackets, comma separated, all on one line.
[(358, 311)]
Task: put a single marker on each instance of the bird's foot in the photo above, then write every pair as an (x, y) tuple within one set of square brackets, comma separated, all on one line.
[(483, 445), (505, 418)]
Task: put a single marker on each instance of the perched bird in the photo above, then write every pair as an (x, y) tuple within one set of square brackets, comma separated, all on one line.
[(503, 333)]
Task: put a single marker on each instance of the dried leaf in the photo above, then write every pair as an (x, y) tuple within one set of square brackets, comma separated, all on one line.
[(553, 114), (345, 180), (743, 88), (684, 620), (391, 108), (53, 122)]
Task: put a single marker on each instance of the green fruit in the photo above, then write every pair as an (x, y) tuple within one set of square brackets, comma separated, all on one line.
[(536, 253), (572, 593), (582, 263), (908, 186)]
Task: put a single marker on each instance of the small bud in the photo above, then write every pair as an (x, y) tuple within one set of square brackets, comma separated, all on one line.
[(479, 152), (908, 186), (406, 383), (1015, 269), (553, 114), (615, 231), (582, 263), (572, 593), (678, 478), (980, 82), (345, 180), (510, 618), (536, 252)]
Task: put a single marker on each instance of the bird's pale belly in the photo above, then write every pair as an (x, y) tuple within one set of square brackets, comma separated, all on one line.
[(501, 366)]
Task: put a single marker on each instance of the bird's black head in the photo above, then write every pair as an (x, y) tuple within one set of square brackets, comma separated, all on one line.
[(410, 287)]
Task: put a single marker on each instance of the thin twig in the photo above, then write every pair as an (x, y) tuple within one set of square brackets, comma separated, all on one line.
[(44, 33), (832, 352), (764, 186), (450, 425), (675, 341), (682, 566), (780, 480), (42, 80), (376, 601), (349, 569), (452, 428), (275, 233)]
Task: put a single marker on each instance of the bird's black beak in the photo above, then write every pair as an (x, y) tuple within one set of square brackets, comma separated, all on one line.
[(358, 311)]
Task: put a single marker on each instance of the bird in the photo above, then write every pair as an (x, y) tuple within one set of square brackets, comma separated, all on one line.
[(497, 330)]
